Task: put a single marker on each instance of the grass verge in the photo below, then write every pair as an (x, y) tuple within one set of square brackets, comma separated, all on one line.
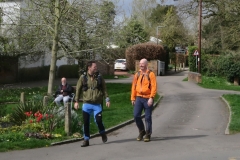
[(218, 83), (234, 102)]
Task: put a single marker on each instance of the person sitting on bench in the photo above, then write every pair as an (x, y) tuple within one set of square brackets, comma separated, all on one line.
[(63, 93)]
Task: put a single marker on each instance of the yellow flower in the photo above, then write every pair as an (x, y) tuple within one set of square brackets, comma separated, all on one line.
[(57, 135)]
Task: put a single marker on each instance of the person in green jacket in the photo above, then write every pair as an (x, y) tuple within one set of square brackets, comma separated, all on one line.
[(93, 89)]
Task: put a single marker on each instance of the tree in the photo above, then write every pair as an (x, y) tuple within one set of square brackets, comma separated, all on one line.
[(220, 25), (142, 10), (43, 18), (132, 33), (158, 14), (78, 29), (157, 17), (173, 33)]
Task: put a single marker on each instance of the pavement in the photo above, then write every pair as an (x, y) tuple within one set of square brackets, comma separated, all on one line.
[(189, 123)]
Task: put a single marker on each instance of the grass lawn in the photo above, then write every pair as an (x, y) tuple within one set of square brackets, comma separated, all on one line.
[(112, 76), (234, 102), (120, 110), (218, 83)]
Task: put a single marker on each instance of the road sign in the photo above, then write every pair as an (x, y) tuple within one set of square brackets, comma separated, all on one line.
[(195, 53)]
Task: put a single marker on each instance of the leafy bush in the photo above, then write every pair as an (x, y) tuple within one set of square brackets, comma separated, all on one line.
[(12, 137), (149, 51), (3, 110), (227, 66), (68, 71), (192, 58), (34, 105), (33, 74), (170, 66)]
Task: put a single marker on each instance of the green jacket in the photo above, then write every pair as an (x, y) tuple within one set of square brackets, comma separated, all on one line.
[(95, 95)]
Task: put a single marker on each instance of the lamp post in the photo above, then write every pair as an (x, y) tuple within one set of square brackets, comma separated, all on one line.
[(157, 32)]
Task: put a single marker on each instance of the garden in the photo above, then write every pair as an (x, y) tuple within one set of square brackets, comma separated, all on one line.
[(32, 125)]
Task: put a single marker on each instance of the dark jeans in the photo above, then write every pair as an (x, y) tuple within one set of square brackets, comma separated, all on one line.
[(140, 105)]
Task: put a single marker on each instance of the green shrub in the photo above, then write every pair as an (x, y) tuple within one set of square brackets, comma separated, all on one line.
[(170, 66), (192, 58), (145, 50), (3, 110), (34, 105), (68, 71), (33, 74), (227, 66)]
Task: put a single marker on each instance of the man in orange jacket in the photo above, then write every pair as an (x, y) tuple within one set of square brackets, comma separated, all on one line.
[(144, 88)]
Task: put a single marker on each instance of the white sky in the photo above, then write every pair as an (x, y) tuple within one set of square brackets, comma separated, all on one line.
[(126, 4)]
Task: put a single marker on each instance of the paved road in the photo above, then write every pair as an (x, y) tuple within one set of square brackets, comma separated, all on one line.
[(188, 124)]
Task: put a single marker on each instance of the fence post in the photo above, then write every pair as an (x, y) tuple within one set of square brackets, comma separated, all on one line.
[(67, 107), (22, 97), (236, 81), (45, 100)]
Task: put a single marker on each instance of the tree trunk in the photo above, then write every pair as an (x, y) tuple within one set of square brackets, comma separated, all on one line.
[(54, 48)]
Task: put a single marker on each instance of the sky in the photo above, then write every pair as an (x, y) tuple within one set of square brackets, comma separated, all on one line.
[(126, 4)]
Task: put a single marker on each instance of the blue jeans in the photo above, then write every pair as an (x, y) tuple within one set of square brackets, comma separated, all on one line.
[(140, 105), (87, 110)]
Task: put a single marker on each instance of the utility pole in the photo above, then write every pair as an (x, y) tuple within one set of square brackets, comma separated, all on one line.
[(199, 36)]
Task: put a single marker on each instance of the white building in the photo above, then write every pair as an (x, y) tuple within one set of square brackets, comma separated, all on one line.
[(10, 15), (155, 40)]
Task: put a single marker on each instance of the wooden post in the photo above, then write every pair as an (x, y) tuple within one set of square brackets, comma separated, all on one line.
[(45, 100), (67, 107), (22, 97), (236, 81)]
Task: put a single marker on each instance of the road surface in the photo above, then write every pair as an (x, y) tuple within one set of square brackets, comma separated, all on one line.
[(188, 124)]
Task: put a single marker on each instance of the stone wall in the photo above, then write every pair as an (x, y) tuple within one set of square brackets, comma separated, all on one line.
[(195, 77)]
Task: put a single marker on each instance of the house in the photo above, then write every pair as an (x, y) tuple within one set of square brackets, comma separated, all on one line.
[(155, 40)]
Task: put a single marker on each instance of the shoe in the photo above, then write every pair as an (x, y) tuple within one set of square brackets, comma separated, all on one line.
[(85, 143), (147, 138), (141, 134), (104, 138)]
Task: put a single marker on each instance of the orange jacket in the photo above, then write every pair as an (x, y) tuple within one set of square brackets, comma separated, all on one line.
[(142, 87)]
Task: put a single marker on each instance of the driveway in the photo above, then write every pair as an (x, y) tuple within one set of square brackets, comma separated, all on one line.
[(188, 124)]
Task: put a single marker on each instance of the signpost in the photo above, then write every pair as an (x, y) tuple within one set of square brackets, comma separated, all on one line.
[(197, 59)]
